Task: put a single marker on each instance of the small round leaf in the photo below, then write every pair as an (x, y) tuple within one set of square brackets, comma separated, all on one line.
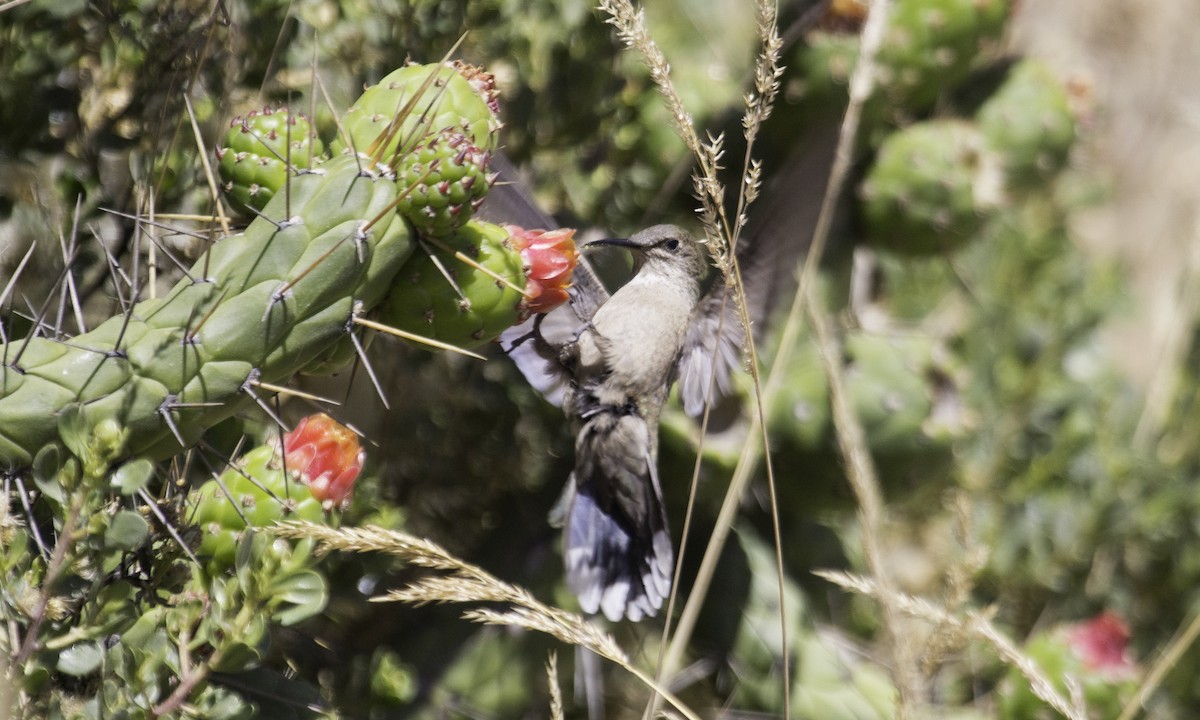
[(127, 531), (81, 659), (133, 476)]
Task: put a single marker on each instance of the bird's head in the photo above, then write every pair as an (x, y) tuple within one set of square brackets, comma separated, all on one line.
[(663, 249)]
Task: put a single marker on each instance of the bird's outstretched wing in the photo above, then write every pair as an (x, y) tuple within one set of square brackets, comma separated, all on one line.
[(713, 343), (777, 236), (510, 202)]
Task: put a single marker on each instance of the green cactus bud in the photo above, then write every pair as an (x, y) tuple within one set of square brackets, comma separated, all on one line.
[(1029, 123), (259, 492), (442, 183), (258, 153), (416, 102), (930, 188), (440, 296)]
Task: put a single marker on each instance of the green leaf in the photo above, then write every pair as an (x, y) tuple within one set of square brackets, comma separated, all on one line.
[(73, 429), (392, 680), (46, 466), (132, 476), (127, 531), (229, 707), (81, 659), (236, 657), (304, 594), (251, 565), (36, 677)]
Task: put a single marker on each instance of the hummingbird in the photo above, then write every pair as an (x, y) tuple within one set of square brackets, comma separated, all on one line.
[(611, 366), (610, 362), (618, 552)]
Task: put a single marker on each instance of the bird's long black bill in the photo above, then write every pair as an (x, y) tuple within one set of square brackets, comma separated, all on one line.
[(618, 242)]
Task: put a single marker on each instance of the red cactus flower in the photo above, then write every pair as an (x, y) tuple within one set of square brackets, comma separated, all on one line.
[(549, 257), (1102, 643), (328, 456)]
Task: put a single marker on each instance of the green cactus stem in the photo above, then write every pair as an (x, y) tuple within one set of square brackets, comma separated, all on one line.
[(441, 296), (261, 305)]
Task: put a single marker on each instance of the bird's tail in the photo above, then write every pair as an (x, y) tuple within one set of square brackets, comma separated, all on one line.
[(619, 558)]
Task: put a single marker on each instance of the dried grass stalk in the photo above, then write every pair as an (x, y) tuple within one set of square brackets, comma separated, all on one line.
[(467, 583)]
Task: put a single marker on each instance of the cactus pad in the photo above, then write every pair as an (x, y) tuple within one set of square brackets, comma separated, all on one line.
[(930, 188), (1029, 123)]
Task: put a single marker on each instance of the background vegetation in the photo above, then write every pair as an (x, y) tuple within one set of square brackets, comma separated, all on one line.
[(1005, 308)]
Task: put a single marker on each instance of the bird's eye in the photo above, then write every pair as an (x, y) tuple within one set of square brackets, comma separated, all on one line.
[(672, 244)]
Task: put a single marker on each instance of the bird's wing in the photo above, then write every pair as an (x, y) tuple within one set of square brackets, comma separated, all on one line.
[(510, 202), (713, 343), (773, 242)]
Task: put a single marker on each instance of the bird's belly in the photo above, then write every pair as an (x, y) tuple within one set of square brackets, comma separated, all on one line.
[(636, 351)]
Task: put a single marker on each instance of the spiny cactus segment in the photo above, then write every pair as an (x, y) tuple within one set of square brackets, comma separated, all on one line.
[(259, 306)]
